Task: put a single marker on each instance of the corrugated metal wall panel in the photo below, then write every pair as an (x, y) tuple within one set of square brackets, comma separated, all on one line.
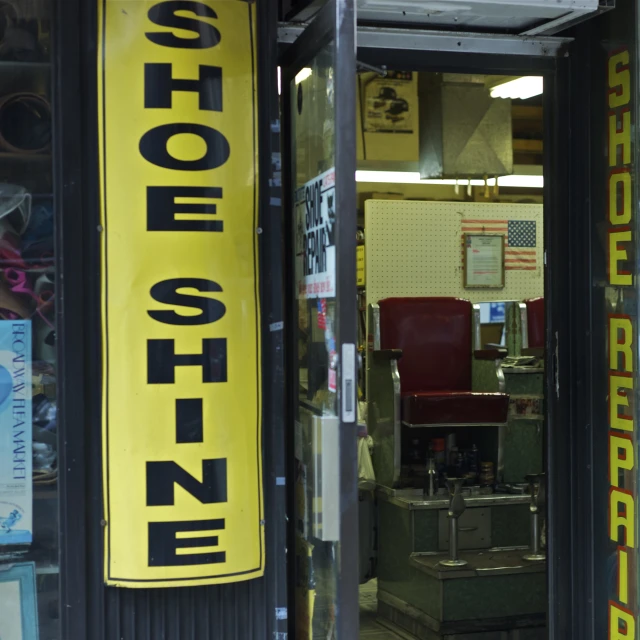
[(228, 612)]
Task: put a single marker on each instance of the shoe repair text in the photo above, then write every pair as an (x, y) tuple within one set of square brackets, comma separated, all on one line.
[(622, 361)]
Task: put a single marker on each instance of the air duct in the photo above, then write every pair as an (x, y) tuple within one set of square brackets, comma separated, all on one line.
[(464, 132)]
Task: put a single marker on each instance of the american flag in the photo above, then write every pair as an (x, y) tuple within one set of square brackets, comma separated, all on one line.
[(520, 242)]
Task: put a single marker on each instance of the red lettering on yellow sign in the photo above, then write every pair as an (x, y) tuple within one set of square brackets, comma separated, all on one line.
[(619, 79), (622, 516), (620, 388), (621, 457), (618, 238), (621, 347), (620, 339), (622, 624), (620, 196)]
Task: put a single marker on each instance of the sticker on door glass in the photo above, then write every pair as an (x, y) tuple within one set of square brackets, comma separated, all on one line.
[(315, 237)]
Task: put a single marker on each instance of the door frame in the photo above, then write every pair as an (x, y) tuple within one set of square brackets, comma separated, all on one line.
[(563, 536), (567, 465), (335, 21)]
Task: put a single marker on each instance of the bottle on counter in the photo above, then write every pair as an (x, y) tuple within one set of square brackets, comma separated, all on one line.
[(460, 466), (431, 479), (451, 445), (473, 463), (438, 447), (453, 458), (487, 475)]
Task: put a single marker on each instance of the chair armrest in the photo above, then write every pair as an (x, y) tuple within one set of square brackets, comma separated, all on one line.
[(384, 355), (383, 414), (490, 354)]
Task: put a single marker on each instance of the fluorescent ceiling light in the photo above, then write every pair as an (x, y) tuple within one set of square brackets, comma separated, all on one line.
[(407, 177), (413, 177), (303, 74), (519, 89), (279, 81), (528, 182)]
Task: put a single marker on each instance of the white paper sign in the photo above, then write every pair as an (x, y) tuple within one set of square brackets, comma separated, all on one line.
[(484, 261), (315, 238)]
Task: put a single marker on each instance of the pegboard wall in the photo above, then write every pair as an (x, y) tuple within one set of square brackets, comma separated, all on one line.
[(415, 248)]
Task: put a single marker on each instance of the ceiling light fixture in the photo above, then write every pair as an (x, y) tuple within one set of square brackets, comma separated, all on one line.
[(408, 177), (519, 89), (413, 177), (303, 74), (521, 181)]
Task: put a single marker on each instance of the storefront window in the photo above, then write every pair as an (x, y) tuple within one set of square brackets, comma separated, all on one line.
[(615, 325), (29, 565), (316, 427)]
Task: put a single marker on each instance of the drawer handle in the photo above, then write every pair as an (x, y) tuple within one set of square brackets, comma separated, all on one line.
[(461, 529)]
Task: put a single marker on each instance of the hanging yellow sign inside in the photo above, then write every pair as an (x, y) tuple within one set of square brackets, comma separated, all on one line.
[(180, 315)]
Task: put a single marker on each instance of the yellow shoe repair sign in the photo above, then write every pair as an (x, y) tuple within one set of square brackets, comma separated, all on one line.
[(180, 308)]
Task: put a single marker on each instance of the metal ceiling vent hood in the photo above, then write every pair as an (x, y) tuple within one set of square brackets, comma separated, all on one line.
[(464, 132), (523, 17)]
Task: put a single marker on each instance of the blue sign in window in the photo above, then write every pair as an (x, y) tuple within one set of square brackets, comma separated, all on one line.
[(496, 312)]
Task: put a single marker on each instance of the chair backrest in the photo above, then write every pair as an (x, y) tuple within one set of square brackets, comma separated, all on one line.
[(435, 335), (535, 322)]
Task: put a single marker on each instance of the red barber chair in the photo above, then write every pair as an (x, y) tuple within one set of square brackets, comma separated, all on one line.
[(426, 354), (533, 337)]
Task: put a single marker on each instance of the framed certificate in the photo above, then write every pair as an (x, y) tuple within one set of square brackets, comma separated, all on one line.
[(483, 261), (18, 609)]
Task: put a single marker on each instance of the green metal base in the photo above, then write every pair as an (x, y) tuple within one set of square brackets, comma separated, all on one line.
[(411, 623), (494, 588)]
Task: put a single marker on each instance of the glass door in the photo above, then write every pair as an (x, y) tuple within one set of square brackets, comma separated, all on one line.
[(318, 73)]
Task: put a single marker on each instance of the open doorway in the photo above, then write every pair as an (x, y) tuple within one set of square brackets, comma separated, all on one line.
[(452, 213), (451, 303)]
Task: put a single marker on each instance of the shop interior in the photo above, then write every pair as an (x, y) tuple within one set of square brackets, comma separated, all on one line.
[(451, 315), (29, 492)]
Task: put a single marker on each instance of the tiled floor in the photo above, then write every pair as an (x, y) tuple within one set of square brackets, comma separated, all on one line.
[(370, 629)]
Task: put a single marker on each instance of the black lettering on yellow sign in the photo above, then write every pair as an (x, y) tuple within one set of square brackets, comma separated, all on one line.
[(162, 361), (154, 147), (162, 209), (158, 90), (164, 14), (163, 476), (159, 85), (169, 292), (162, 554), (183, 479)]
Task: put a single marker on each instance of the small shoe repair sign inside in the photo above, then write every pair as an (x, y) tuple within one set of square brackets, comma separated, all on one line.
[(181, 342)]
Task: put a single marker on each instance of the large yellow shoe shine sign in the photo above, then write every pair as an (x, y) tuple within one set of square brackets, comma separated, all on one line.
[(181, 343)]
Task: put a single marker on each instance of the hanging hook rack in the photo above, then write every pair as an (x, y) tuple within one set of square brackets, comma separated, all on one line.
[(363, 66)]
